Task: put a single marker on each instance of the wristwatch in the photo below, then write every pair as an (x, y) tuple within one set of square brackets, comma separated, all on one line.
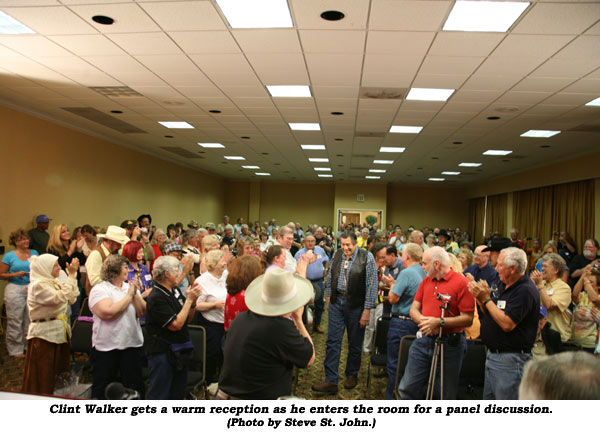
[(442, 322), (486, 302)]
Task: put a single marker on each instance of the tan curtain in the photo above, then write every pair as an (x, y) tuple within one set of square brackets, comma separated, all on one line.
[(495, 216), (540, 212)]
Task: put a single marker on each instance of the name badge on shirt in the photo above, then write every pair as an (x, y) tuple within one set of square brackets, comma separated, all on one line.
[(147, 277), (501, 304), (550, 292)]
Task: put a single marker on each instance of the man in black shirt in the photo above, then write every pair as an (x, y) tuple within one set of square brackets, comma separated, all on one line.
[(38, 236), (509, 323), (579, 262), (266, 342)]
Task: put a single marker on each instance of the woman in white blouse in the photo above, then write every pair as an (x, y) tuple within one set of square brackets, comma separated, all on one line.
[(211, 309), (116, 335)]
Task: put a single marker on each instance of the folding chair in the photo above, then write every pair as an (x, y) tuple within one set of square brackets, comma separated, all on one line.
[(405, 344), (378, 355), (196, 381), (472, 372)]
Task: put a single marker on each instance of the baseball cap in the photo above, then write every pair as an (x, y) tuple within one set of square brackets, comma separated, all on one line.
[(42, 218)]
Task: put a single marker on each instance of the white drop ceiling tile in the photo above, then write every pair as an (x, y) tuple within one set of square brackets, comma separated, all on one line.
[(185, 15), (399, 43), (68, 65), (283, 68), (465, 106), (547, 109), (283, 77), (32, 70), (326, 92), (212, 102), (141, 78), (522, 97), (389, 64), (336, 104), (335, 79), (267, 40), (306, 14), (33, 45), (300, 103), (542, 84), (88, 45), (217, 63), (39, 92), (439, 81), (185, 79), (333, 41), (450, 65), (193, 91), (244, 91), (482, 96), (544, 46), (54, 20), (465, 44), (574, 18), (145, 43), (129, 17), (8, 79), (254, 102), (175, 63), (388, 106), (116, 64), (334, 63), (408, 15), (575, 99), (159, 93), (498, 82), (97, 78), (567, 68), (582, 47), (585, 85), (29, 2), (594, 30), (207, 42), (234, 79), (517, 66)]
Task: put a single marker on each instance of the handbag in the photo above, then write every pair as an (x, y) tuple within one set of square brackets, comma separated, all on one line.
[(181, 356)]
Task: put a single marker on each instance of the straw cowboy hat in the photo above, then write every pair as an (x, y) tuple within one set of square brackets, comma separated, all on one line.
[(277, 292), (115, 233)]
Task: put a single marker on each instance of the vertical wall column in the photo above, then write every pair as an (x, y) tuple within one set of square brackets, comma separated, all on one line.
[(509, 214)]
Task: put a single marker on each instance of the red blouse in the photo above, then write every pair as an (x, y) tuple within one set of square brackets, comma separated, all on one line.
[(234, 305)]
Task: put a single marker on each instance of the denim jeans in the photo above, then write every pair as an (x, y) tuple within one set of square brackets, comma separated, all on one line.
[(416, 374), (319, 301), (503, 374), (398, 329), (165, 381), (343, 317)]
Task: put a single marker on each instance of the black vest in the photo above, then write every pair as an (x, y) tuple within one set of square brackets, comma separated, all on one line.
[(357, 277)]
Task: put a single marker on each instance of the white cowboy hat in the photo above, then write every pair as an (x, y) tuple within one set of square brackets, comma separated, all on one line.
[(277, 292), (115, 233)]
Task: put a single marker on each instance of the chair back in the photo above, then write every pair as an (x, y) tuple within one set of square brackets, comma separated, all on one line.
[(81, 337), (198, 337)]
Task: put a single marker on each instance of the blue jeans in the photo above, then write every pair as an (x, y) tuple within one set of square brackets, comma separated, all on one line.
[(319, 302), (503, 374), (398, 329), (417, 370), (343, 317), (165, 381)]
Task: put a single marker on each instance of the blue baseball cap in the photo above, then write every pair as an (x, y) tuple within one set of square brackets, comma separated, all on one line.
[(42, 218)]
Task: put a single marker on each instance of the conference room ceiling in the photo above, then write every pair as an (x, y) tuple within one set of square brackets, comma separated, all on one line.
[(181, 61)]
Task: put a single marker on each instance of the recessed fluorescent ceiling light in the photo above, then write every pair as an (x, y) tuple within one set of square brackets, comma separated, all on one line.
[(211, 145), (404, 129), (437, 179), (10, 26), (391, 149), (250, 167), (305, 127), (324, 175), (373, 177), (176, 125), (319, 160), (323, 169), (470, 164), (594, 103), (262, 174), (483, 16), (234, 157), (540, 133), (496, 152), (313, 147), (425, 94), (256, 14), (376, 171), (289, 91), (383, 161), (450, 173)]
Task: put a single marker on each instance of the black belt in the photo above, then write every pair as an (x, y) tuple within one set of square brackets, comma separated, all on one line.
[(316, 280), (43, 320), (502, 351), (404, 317), (342, 294)]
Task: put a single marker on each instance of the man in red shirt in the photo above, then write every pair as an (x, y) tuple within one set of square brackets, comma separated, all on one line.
[(426, 312)]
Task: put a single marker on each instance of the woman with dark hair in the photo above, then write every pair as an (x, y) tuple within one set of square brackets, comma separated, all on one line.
[(116, 335), (242, 271), (244, 246), (138, 272), (15, 268), (172, 232), (90, 242), (275, 257)]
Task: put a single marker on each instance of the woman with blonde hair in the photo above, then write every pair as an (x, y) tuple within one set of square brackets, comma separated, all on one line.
[(48, 349), (211, 309), (465, 256), (60, 244), (209, 243)]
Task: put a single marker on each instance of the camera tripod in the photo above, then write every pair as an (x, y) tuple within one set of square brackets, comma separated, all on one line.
[(438, 354)]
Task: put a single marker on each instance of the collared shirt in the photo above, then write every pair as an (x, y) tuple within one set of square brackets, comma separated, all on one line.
[(487, 273), (394, 270), (315, 270), (93, 265), (406, 287), (560, 318), (371, 279), (141, 277), (521, 303)]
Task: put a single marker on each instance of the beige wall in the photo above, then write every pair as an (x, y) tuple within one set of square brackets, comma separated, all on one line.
[(375, 198), (426, 206)]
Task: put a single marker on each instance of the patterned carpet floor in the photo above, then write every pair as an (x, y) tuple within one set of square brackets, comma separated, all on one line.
[(11, 374)]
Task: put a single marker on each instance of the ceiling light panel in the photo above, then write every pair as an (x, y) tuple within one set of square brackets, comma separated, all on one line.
[(10, 26), (211, 145), (234, 157), (262, 174), (470, 164), (313, 147), (484, 16), (372, 177), (428, 94), (405, 129), (319, 160), (289, 91), (391, 149), (383, 161), (540, 133), (323, 175), (450, 173), (256, 14), (250, 167), (376, 171), (176, 125), (305, 126), (437, 179), (323, 169), (594, 103), (496, 152)]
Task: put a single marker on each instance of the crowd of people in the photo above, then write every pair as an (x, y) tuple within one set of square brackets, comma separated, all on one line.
[(249, 287)]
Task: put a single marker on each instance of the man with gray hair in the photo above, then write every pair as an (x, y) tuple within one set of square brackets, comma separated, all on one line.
[(441, 284), (417, 238), (568, 375), (509, 323)]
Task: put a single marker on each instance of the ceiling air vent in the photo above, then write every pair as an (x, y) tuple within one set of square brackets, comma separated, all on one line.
[(181, 152), (116, 91), (105, 120), (396, 93), (369, 134)]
